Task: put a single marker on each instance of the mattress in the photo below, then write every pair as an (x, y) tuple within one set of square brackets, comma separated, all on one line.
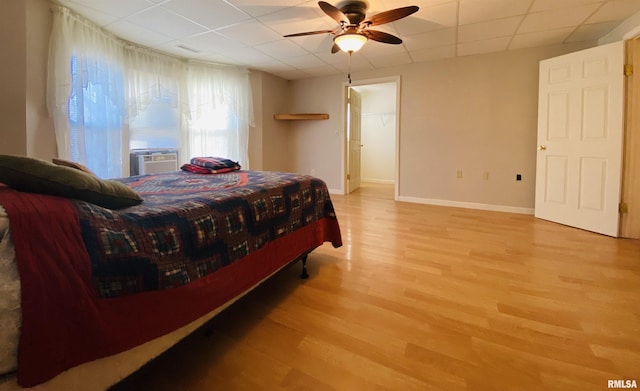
[(10, 314)]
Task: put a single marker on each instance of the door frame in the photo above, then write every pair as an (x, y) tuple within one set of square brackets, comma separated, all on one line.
[(345, 150), (630, 193)]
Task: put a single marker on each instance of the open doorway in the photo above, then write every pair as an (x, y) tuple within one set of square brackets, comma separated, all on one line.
[(372, 160)]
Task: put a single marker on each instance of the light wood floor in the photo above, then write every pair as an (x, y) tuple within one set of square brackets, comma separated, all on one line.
[(377, 190), (427, 298)]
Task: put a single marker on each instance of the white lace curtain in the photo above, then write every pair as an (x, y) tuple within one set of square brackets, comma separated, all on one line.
[(98, 85), (85, 75), (220, 112)]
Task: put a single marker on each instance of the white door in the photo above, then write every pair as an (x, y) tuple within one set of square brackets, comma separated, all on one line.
[(580, 133), (355, 140)]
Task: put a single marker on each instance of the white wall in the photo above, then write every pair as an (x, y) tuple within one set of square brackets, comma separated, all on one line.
[(317, 146), (40, 130), (475, 114), (13, 78), (26, 128), (275, 134)]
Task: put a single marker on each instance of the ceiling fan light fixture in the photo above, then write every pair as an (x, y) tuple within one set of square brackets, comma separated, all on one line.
[(351, 42)]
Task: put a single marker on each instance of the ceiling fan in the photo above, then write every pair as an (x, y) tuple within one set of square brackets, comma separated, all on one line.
[(353, 30)]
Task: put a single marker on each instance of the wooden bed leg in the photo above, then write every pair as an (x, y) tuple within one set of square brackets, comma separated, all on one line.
[(304, 275)]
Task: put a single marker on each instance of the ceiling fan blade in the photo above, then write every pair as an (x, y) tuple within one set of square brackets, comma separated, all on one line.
[(310, 33), (335, 48), (390, 16), (381, 36), (333, 12)]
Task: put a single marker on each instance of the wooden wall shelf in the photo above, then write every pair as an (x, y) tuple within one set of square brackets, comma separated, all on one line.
[(301, 116)]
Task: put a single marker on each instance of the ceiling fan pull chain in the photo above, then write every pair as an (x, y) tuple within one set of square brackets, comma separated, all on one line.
[(349, 71)]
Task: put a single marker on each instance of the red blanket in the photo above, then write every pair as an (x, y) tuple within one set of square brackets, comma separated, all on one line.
[(65, 324)]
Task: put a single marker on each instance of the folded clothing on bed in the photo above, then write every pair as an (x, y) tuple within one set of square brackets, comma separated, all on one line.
[(210, 165)]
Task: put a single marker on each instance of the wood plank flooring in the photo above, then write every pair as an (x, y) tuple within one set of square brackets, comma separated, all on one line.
[(426, 298)]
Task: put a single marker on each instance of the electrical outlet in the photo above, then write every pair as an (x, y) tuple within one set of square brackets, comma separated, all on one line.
[(459, 174), (485, 175), (312, 171)]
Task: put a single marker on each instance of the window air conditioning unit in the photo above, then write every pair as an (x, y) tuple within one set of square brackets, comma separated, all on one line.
[(153, 161), (156, 163)]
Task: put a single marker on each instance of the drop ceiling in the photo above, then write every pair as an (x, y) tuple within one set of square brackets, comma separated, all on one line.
[(249, 33)]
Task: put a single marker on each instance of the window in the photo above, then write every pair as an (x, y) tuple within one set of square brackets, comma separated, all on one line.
[(219, 112), (95, 116), (157, 125), (209, 133), (107, 97)]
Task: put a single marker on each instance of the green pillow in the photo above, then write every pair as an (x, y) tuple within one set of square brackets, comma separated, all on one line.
[(39, 176)]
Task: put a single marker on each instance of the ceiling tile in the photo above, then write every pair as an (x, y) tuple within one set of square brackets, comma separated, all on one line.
[(390, 28), (545, 5), (430, 39), (389, 4), (431, 54), (321, 43), (134, 33), (281, 49), (540, 38), (614, 10), (390, 60), (249, 56), (490, 29), (293, 74), (211, 13), (339, 59), (429, 18), (98, 17), (276, 66), (591, 32), (373, 48), (118, 8), (474, 11), (480, 47), (374, 6), (322, 70), (250, 33), (358, 63), (211, 41), (302, 62), (298, 19), (551, 20), (257, 8), (165, 22), (180, 49), (217, 58)]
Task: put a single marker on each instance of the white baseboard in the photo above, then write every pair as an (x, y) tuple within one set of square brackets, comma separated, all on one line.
[(468, 205), (336, 191)]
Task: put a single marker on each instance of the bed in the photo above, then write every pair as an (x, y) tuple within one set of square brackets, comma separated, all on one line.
[(103, 290)]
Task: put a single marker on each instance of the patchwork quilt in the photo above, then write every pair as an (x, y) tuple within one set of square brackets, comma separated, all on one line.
[(189, 225)]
